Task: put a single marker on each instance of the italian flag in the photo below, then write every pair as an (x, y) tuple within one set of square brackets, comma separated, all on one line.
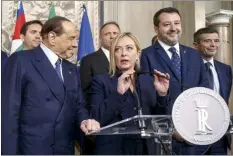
[(17, 43), (52, 12)]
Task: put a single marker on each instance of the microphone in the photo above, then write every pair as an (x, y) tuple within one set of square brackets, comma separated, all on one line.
[(141, 122)]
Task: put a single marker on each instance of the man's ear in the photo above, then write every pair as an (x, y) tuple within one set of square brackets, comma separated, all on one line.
[(156, 28), (51, 37), (22, 37), (195, 45), (100, 37)]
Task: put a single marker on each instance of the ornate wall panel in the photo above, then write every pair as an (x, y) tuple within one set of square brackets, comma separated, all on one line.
[(40, 10)]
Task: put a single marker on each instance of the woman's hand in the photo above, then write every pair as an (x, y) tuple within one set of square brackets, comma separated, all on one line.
[(161, 82), (125, 81)]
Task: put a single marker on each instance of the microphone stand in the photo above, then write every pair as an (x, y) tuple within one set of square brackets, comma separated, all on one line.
[(141, 122)]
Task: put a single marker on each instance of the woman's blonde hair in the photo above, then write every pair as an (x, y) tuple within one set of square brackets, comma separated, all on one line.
[(112, 64)]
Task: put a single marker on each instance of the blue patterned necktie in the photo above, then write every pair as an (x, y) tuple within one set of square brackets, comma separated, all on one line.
[(58, 69), (176, 61), (210, 74)]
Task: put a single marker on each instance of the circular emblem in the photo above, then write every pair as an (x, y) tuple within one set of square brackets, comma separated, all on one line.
[(200, 116)]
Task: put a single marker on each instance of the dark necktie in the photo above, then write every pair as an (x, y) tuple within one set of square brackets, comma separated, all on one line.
[(210, 74), (176, 61), (58, 69)]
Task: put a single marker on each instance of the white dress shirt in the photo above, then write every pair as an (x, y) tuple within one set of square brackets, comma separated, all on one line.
[(215, 75), (52, 57), (107, 53)]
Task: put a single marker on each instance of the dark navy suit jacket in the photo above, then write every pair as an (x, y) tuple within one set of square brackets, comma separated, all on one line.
[(38, 111), (108, 106), (91, 65), (225, 79), (3, 60), (193, 74)]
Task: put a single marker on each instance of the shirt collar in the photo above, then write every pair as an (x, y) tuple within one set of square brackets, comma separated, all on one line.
[(106, 52), (211, 61), (167, 47), (50, 54)]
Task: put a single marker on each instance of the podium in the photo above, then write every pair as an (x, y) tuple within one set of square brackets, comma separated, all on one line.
[(159, 127), (193, 117)]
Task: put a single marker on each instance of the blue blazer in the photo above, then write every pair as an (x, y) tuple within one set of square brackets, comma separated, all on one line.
[(225, 79), (108, 106), (193, 74), (38, 111)]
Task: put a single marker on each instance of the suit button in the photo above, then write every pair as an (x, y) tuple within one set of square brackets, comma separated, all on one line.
[(134, 108), (52, 145), (47, 99)]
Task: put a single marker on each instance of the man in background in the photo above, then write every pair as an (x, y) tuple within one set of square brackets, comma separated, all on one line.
[(98, 62), (206, 41), (30, 34), (182, 63)]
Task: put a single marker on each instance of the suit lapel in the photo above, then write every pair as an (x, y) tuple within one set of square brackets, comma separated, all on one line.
[(162, 53), (103, 59), (46, 70), (67, 72), (184, 62), (220, 78)]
